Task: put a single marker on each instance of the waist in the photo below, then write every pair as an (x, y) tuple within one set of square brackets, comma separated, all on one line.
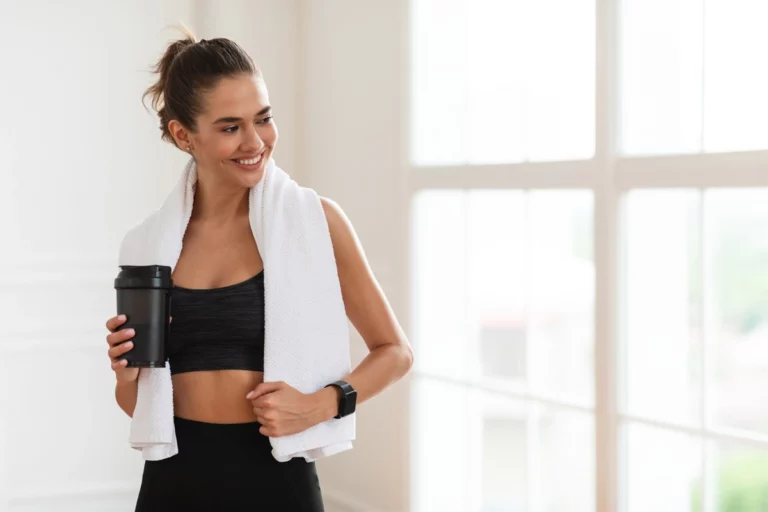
[(216, 397), (221, 444)]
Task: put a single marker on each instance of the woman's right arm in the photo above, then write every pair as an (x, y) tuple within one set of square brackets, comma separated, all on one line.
[(126, 387), (125, 393)]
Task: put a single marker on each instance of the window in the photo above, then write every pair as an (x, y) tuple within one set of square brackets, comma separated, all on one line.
[(691, 76), (589, 255), (499, 81), (694, 340), (503, 320)]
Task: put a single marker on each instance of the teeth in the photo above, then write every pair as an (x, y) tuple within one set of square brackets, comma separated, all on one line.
[(249, 162)]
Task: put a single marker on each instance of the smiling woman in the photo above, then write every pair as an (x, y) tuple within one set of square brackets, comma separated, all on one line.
[(213, 103)]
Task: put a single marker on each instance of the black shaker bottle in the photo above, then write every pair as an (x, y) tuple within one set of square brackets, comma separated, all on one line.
[(144, 297)]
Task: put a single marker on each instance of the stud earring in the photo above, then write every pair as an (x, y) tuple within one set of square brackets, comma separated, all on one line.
[(189, 148)]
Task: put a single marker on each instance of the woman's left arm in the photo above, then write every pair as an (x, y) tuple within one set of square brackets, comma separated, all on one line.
[(282, 409), (390, 355)]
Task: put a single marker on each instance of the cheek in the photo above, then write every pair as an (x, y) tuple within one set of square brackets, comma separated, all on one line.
[(270, 135), (224, 147)]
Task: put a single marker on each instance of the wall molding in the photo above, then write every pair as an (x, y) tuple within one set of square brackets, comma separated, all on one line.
[(335, 501), (25, 277), (50, 340), (31, 495), (86, 273)]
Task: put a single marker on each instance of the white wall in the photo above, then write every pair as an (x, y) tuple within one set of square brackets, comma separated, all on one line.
[(81, 162)]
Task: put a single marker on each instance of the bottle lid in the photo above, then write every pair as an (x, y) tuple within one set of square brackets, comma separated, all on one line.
[(144, 276)]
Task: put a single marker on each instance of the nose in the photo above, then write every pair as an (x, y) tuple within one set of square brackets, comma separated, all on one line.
[(252, 142)]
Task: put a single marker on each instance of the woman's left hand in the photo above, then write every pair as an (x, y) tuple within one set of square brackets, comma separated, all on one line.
[(281, 409)]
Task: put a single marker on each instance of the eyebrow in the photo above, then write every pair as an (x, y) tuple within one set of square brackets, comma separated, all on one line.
[(238, 119)]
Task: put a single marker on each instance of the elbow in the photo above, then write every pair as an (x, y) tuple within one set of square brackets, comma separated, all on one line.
[(407, 356)]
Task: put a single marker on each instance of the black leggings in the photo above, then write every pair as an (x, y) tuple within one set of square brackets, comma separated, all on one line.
[(227, 467)]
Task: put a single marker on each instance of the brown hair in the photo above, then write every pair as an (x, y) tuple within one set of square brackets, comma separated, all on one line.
[(187, 70)]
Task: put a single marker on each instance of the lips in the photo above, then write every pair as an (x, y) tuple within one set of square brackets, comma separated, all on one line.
[(249, 161), (250, 164)]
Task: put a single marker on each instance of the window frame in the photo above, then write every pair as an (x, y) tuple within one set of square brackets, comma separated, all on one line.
[(609, 175)]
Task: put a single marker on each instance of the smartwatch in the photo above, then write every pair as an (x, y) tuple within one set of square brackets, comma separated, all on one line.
[(347, 400)]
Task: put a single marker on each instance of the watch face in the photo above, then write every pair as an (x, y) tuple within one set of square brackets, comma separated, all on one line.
[(348, 399), (349, 402)]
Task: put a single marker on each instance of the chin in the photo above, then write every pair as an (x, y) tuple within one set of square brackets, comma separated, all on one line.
[(249, 175), (252, 181)]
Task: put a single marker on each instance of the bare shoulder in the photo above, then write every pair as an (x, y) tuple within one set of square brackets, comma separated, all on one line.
[(346, 246), (335, 216), (364, 299)]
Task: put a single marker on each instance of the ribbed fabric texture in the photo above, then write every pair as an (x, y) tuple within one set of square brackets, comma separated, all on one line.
[(218, 328)]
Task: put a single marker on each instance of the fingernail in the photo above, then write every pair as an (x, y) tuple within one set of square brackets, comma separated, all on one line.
[(121, 317), (130, 332), (249, 395)]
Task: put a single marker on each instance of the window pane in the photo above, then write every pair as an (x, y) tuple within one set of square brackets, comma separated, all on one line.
[(663, 470), (445, 447), (440, 334), (504, 288), (564, 456), (493, 83), (662, 349), (661, 76), (439, 88), (559, 73), (738, 270), (735, 99), (561, 306), (495, 99), (504, 455), (742, 479), (498, 292), (689, 82)]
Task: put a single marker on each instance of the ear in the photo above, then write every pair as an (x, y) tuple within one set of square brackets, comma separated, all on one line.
[(180, 134)]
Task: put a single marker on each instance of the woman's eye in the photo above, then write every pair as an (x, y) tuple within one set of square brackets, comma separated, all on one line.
[(265, 120), (231, 129)]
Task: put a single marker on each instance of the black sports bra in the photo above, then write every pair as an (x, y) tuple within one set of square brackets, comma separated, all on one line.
[(217, 328)]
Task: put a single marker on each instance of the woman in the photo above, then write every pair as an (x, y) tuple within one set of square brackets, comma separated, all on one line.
[(213, 103)]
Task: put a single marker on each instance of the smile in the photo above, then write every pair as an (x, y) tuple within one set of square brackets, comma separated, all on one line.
[(252, 161), (250, 164)]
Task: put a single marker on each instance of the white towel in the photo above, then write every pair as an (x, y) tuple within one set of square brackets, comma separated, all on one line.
[(306, 334)]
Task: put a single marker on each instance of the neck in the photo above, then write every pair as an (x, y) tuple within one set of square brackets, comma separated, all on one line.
[(217, 202)]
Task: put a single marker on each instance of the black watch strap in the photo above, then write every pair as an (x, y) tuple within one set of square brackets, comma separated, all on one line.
[(348, 399)]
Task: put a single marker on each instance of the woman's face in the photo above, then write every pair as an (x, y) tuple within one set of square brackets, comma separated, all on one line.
[(235, 134)]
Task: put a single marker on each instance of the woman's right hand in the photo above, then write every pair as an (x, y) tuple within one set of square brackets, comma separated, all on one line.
[(119, 345)]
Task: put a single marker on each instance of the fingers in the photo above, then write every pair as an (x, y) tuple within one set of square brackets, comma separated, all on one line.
[(264, 388), (115, 322), (120, 336), (266, 431), (119, 350), (267, 427), (119, 365)]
